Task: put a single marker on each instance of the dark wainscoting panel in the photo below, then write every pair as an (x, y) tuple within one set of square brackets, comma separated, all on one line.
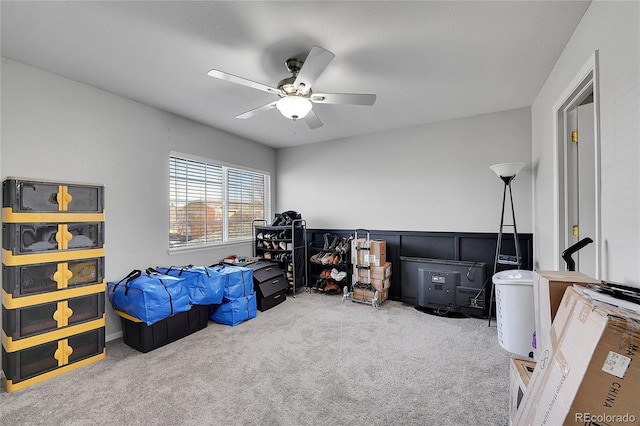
[(443, 247), (462, 246)]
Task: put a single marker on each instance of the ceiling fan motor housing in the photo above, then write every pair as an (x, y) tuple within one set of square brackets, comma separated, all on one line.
[(293, 65), (287, 85)]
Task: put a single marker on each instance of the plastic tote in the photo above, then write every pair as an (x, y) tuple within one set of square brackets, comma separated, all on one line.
[(150, 297), (205, 285), (233, 312), (515, 313)]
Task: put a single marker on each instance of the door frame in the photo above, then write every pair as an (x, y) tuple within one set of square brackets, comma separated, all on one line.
[(586, 81)]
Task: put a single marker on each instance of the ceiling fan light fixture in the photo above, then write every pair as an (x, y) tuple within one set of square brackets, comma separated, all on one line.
[(294, 107)]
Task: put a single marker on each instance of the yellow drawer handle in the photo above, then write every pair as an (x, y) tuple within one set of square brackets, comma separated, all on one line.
[(62, 275), (62, 314), (63, 198), (63, 236), (63, 352)]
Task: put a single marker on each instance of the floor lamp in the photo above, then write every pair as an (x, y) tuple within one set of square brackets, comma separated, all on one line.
[(507, 172)]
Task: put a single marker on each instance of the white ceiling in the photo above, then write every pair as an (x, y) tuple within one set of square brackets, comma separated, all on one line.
[(426, 60)]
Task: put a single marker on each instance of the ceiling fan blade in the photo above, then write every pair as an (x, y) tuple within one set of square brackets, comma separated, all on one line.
[(343, 98), (239, 80), (317, 60), (312, 120), (255, 111)]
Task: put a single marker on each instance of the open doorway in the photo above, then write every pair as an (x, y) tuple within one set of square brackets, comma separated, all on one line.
[(578, 170)]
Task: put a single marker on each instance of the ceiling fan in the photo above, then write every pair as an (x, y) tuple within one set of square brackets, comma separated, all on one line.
[(296, 97)]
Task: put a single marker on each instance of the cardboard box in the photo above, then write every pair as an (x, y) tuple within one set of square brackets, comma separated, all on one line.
[(381, 272), (367, 295), (377, 284), (381, 284), (361, 275), (376, 254), (520, 373), (590, 374), (548, 289), (357, 254)]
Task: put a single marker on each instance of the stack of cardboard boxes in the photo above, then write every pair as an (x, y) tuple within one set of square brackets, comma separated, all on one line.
[(586, 371), (520, 371), (370, 266)]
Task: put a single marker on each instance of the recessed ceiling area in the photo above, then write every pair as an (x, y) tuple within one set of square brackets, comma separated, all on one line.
[(426, 61)]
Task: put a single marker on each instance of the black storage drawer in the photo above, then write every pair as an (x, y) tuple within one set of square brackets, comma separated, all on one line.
[(270, 284), (271, 292), (266, 303), (145, 338), (26, 238), (27, 280), (34, 196), (47, 357), (270, 271), (38, 319)]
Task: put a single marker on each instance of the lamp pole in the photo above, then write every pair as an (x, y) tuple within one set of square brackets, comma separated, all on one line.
[(506, 172)]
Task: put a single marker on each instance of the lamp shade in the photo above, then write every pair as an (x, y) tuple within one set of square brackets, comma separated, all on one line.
[(294, 107), (507, 169)]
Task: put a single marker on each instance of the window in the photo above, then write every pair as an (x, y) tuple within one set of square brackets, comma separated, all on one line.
[(213, 203)]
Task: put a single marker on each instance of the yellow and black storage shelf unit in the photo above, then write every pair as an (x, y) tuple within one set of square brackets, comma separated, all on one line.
[(53, 287)]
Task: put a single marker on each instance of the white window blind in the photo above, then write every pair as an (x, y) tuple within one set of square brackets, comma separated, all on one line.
[(211, 203)]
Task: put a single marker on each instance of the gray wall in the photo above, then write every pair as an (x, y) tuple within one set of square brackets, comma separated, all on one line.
[(612, 28), (433, 177), (57, 129)]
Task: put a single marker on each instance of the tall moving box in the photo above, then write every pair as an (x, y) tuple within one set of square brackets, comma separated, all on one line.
[(548, 289), (590, 374), (520, 372)]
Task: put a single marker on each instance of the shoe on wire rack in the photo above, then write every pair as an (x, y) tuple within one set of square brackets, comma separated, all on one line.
[(316, 257), (326, 241), (325, 258), (345, 245), (338, 275), (334, 242), (331, 286)]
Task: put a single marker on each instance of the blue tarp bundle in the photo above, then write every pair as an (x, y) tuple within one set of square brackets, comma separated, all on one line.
[(149, 296), (205, 285), (239, 300), (233, 312), (238, 281)]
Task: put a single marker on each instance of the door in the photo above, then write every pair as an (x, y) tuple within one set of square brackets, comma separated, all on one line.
[(581, 185)]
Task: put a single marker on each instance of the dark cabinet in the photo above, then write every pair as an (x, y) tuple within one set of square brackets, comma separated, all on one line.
[(270, 284)]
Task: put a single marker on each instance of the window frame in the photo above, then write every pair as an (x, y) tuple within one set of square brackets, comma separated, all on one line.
[(226, 241)]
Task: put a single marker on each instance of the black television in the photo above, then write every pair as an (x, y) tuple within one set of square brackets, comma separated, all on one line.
[(446, 286)]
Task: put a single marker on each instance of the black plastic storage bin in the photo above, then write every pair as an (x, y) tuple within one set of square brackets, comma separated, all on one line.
[(145, 338), (52, 316), (23, 238), (27, 280), (41, 362), (37, 196)]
